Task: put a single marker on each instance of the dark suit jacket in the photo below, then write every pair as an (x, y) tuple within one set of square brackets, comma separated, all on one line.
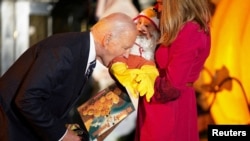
[(40, 87)]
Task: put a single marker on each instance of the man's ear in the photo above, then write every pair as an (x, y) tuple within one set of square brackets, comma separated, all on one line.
[(106, 39)]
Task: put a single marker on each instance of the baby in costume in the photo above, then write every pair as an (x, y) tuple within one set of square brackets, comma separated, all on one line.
[(138, 72)]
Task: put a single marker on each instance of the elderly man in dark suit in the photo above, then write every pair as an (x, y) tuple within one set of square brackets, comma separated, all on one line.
[(38, 90)]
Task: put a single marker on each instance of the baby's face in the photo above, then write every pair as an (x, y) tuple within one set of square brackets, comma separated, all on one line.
[(145, 27)]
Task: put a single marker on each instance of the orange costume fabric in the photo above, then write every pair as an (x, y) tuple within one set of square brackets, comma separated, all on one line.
[(134, 61)]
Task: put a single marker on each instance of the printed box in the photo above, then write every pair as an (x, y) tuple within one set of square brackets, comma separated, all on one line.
[(105, 110)]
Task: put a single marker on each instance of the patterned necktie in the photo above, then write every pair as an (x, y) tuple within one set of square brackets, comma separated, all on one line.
[(90, 68)]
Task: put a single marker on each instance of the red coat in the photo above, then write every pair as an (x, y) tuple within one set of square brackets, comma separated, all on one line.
[(182, 61)]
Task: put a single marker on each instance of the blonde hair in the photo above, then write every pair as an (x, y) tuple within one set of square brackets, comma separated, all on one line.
[(176, 13)]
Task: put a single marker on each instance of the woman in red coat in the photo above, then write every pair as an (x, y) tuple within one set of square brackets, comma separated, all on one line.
[(184, 47)]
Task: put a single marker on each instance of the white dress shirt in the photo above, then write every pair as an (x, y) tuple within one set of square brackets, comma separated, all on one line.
[(92, 52)]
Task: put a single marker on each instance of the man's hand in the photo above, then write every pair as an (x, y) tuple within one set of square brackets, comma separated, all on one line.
[(71, 136)]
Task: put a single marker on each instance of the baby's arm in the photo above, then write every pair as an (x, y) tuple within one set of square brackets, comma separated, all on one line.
[(136, 74)]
